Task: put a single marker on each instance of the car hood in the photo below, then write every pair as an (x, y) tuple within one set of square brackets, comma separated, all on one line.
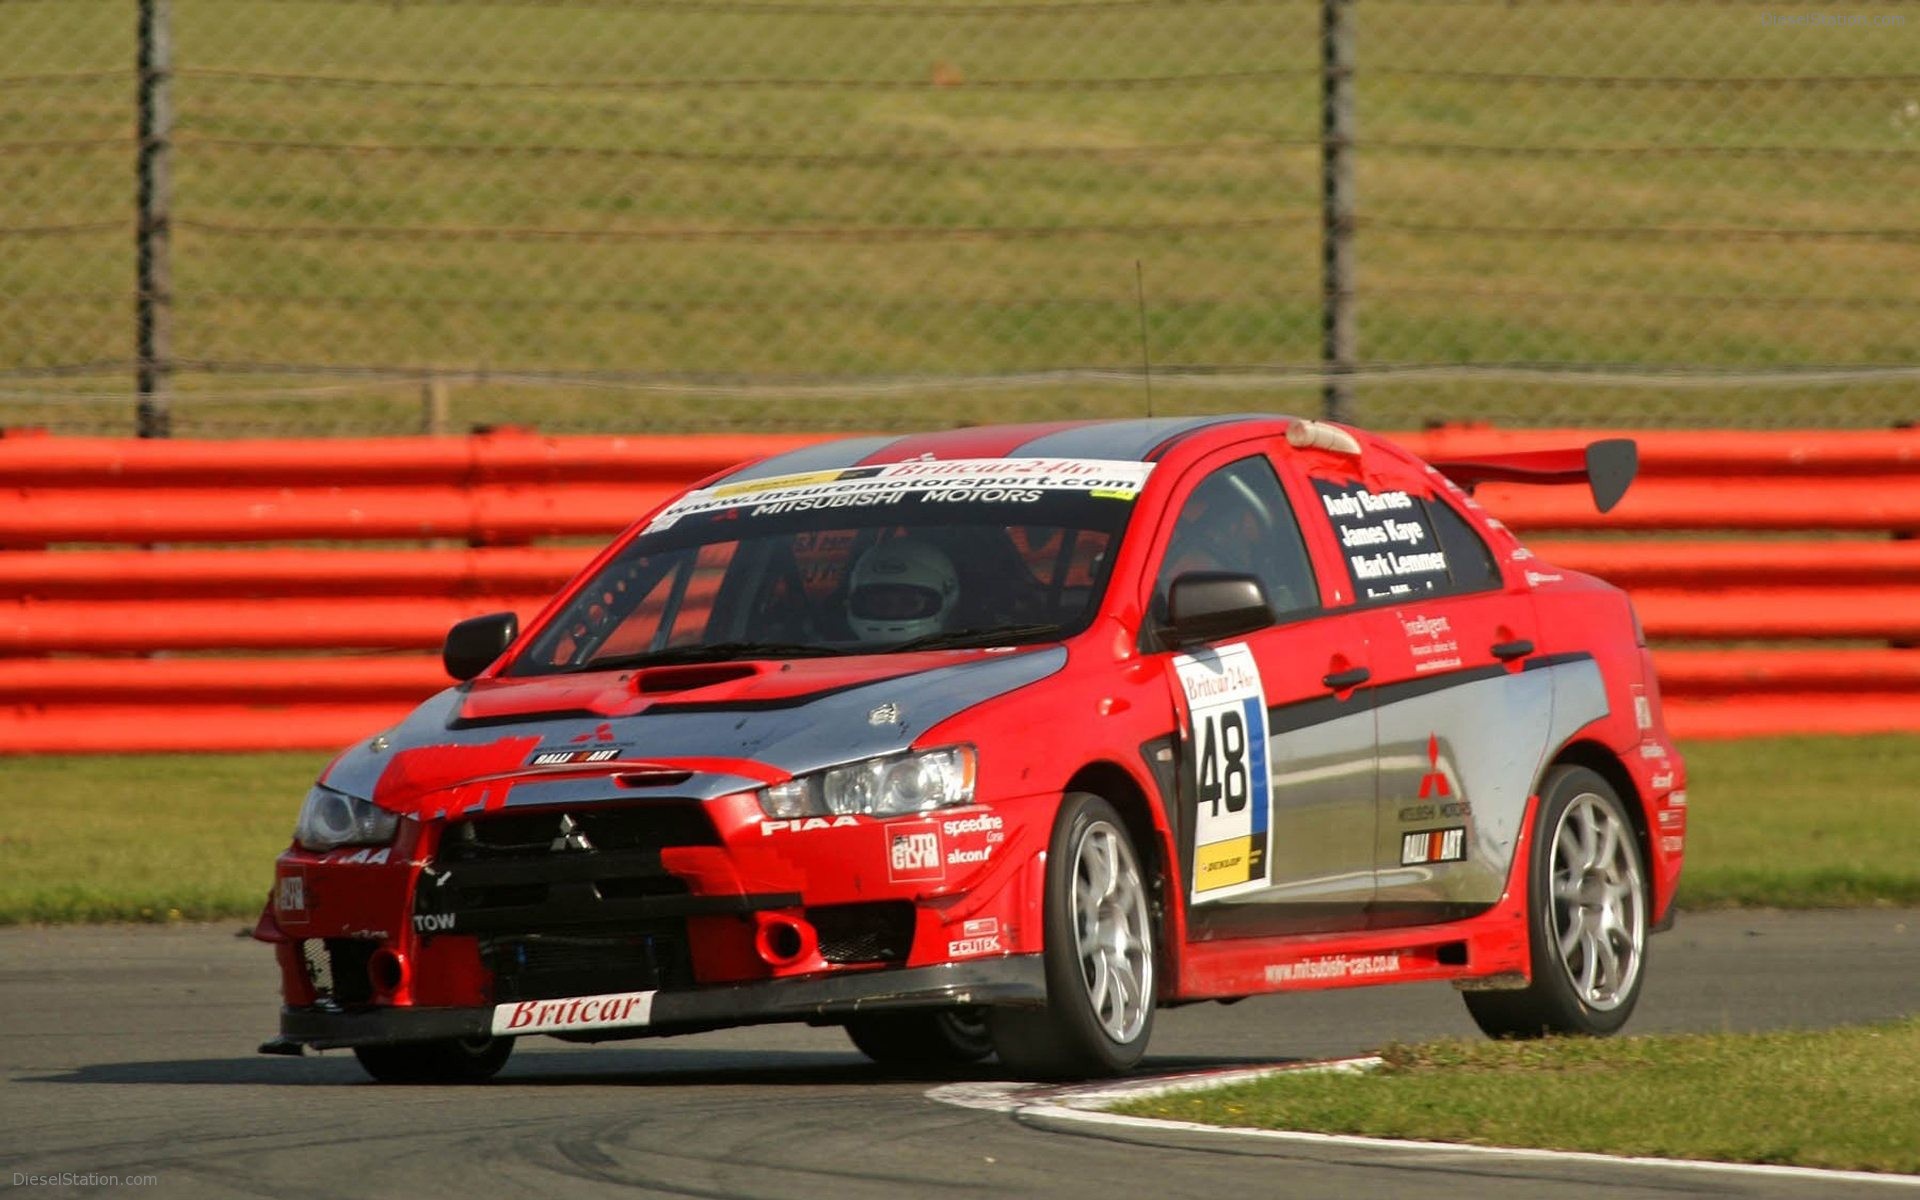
[(701, 730)]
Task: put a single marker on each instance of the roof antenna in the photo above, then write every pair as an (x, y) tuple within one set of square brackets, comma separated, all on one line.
[(1146, 360)]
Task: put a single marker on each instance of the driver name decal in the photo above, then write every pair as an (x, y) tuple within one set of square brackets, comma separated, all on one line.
[(1232, 824), (1384, 536)]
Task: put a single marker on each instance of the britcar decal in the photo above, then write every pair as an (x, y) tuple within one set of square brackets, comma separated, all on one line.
[(1233, 824), (610, 1011), (1433, 846)]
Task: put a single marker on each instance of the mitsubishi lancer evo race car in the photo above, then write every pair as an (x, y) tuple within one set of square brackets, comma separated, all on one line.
[(995, 741)]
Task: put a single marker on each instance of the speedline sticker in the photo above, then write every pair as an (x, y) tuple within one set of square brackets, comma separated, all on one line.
[(1227, 750)]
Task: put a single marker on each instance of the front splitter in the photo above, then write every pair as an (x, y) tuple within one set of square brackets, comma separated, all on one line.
[(1010, 981)]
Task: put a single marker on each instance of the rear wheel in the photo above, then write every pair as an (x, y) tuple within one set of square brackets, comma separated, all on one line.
[(1586, 917), (939, 1038), (445, 1060), (1099, 955)]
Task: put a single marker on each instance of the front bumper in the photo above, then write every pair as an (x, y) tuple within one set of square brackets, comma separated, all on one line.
[(1017, 980)]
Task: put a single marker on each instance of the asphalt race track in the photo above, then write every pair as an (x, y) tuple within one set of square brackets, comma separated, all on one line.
[(129, 1051)]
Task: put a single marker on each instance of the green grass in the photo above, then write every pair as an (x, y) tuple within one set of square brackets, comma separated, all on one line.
[(1841, 1098), (145, 837), (1788, 822), (1803, 822), (691, 189)]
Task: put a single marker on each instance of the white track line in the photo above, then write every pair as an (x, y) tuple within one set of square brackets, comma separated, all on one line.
[(1086, 1106)]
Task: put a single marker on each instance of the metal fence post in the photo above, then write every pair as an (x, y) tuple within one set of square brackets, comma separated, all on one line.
[(153, 296), (1337, 329), (433, 405)]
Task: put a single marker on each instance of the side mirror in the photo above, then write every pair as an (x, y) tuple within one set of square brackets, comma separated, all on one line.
[(1205, 606), (474, 643)]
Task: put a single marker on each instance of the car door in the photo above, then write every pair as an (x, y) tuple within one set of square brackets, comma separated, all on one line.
[(1276, 781), (1461, 722)]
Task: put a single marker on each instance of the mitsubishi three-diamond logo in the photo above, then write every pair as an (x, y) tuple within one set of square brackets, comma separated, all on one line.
[(572, 837)]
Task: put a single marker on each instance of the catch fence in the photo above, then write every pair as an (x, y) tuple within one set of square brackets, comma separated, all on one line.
[(357, 217)]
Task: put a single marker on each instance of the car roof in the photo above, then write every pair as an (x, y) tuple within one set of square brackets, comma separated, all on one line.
[(1138, 440)]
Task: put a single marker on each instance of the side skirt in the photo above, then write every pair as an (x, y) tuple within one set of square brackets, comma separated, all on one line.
[(1487, 951)]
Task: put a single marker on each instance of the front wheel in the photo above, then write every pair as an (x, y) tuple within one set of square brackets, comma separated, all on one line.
[(922, 1040), (1099, 955), (1586, 917), (444, 1060)]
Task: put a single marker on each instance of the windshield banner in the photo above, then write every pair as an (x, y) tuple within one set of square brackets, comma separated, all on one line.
[(921, 481)]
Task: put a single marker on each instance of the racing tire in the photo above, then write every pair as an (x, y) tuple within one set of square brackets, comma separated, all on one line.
[(946, 1037), (1099, 955), (444, 1060), (1587, 905)]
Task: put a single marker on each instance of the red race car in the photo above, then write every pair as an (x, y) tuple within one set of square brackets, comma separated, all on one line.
[(995, 740)]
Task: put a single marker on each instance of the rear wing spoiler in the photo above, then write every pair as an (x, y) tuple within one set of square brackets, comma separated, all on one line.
[(1608, 467)]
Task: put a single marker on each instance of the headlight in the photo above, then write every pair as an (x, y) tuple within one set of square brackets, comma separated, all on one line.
[(882, 787), (330, 818)]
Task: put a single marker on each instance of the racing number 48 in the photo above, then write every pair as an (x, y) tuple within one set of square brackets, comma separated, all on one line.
[(1223, 761)]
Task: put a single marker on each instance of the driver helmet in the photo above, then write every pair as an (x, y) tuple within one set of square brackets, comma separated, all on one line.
[(901, 590)]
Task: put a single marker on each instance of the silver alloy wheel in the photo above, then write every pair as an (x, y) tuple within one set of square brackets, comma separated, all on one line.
[(1112, 936), (1599, 902)]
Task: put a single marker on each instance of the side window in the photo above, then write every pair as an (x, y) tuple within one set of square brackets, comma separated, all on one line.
[(1239, 520), (1468, 558)]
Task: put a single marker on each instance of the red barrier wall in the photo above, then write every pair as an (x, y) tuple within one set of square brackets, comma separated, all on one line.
[(249, 643)]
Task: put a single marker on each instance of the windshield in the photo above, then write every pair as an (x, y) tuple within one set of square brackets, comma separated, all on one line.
[(917, 555)]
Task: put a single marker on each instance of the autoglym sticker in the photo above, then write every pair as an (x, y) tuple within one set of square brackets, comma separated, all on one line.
[(914, 853), (1227, 750)]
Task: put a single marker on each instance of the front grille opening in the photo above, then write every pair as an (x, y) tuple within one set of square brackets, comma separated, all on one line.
[(549, 966), (337, 968), (651, 825), (879, 931)]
